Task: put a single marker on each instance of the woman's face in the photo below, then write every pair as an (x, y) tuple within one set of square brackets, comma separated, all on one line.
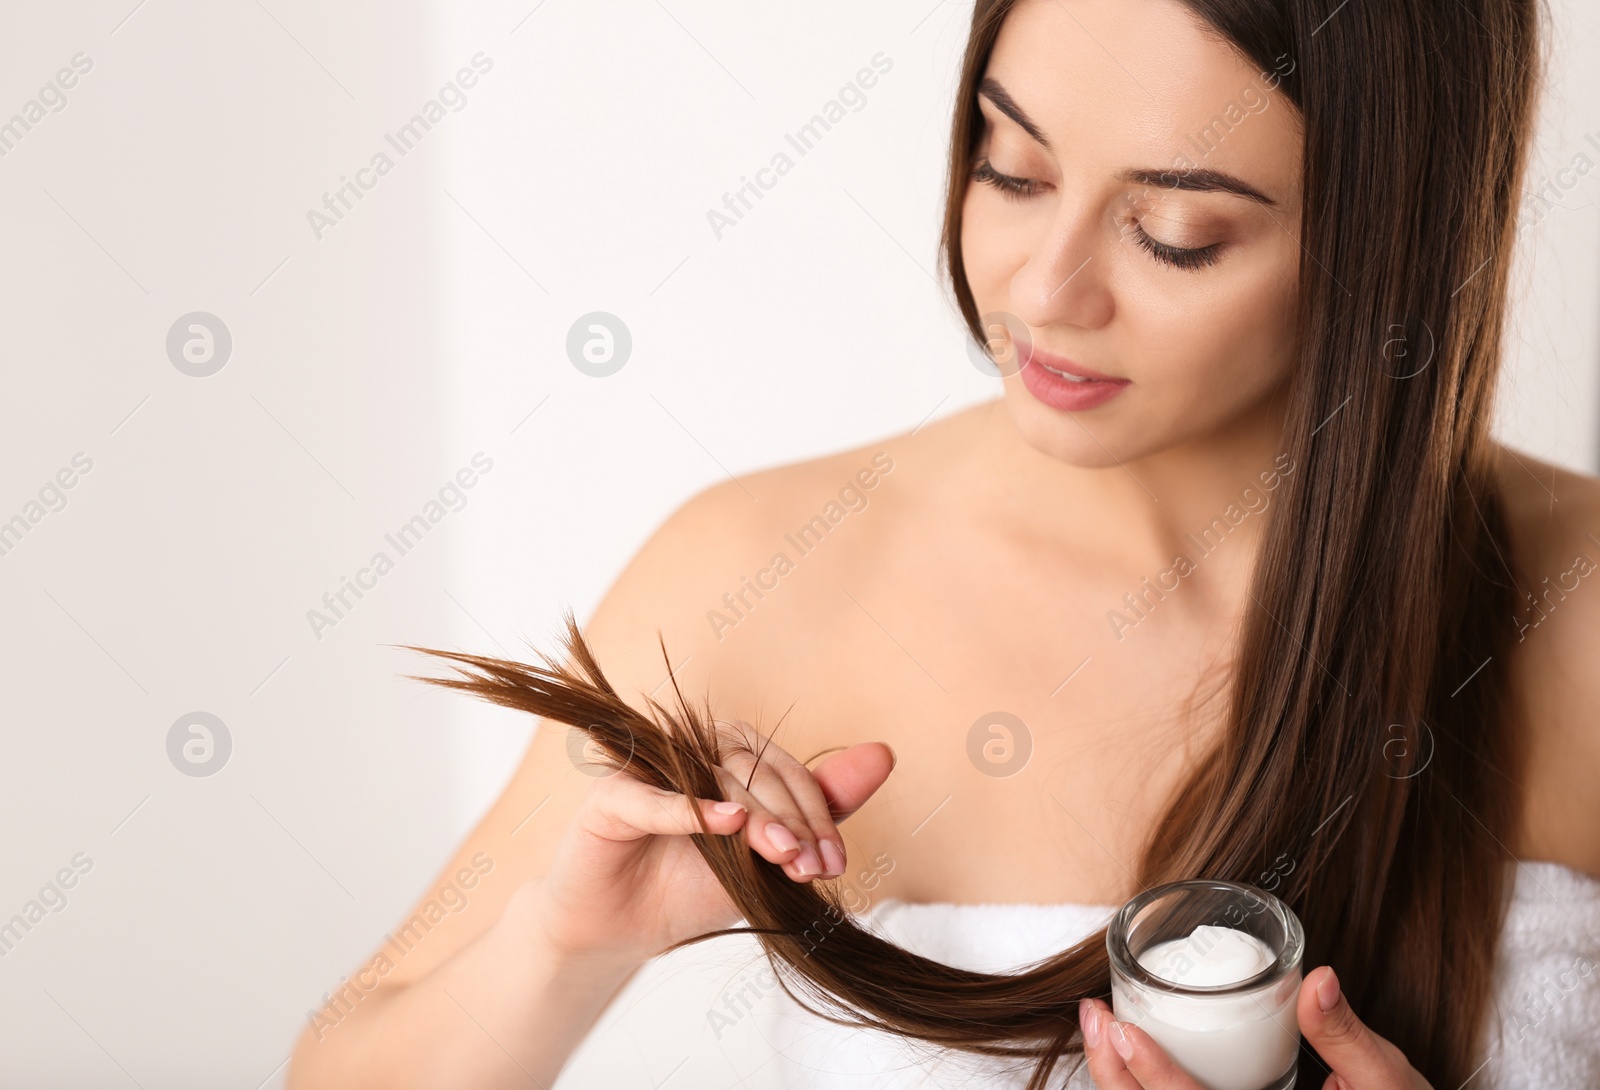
[(1145, 229)]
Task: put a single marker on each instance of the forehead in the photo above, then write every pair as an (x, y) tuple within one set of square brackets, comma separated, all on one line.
[(1114, 84)]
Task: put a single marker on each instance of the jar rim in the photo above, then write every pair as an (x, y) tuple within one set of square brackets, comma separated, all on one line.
[(1123, 961)]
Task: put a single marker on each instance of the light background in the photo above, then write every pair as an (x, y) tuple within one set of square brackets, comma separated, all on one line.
[(369, 366)]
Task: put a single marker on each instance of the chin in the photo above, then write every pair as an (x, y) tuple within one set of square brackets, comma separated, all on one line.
[(1051, 433), (1088, 440)]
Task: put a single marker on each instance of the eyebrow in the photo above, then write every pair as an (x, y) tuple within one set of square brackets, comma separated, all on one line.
[(1195, 179), (990, 89), (1198, 180)]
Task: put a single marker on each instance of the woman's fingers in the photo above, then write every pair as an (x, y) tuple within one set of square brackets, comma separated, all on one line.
[(813, 805), (1105, 1066), (849, 778), (1147, 1060), (789, 813), (814, 809), (776, 829), (839, 785), (621, 808), (1125, 1057), (796, 822), (1358, 1056)]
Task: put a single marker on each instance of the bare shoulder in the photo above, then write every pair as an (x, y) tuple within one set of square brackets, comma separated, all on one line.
[(753, 584), (707, 582), (1554, 516), (700, 588)]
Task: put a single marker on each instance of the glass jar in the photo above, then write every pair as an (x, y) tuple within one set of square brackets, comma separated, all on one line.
[(1224, 1005)]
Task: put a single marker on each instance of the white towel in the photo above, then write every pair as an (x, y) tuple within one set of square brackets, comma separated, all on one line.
[(1545, 1027), (1545, 1030)]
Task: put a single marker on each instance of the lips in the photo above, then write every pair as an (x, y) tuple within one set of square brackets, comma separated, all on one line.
[(1063, 367), (1061, 384)]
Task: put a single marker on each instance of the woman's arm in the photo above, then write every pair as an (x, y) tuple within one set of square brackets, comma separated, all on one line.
[(626, 883), (572, 881), (504, 1010)]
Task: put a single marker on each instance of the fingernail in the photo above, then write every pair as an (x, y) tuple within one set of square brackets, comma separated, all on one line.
[(806, 862), (833, 858), (729, 807), (781, 837), (1089, 1020), (1328, 992), (1121, 1041)]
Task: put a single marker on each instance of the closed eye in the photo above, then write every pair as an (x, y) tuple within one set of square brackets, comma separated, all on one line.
[(1018, 189), (1176, 256), (1015, 188)]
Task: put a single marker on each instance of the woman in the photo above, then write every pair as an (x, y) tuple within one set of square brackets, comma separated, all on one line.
[(1231, 581)]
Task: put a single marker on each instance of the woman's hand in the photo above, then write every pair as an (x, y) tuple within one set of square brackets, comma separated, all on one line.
[(626, 882), (1124, 1057)]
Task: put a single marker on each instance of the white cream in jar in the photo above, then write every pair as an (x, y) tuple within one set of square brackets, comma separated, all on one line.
[(1220, 999)]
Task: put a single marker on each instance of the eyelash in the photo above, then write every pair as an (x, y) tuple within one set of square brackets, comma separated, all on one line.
[(1012, 187), (1176, 256)]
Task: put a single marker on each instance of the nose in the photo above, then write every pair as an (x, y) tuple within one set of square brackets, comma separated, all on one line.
[(1065, 281)]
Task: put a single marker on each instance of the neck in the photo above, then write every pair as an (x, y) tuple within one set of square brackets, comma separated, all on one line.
[(1207, 497)]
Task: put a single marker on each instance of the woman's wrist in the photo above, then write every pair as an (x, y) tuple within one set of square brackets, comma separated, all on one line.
[(522, 928), (534, 1000), (528, 917), (539, 1000)]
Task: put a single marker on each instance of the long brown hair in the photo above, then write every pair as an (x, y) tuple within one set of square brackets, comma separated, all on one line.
[(1369, 743)]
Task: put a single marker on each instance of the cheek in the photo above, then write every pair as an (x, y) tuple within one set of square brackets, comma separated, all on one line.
[(978, 257), (1227, 344), (993, 248)]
